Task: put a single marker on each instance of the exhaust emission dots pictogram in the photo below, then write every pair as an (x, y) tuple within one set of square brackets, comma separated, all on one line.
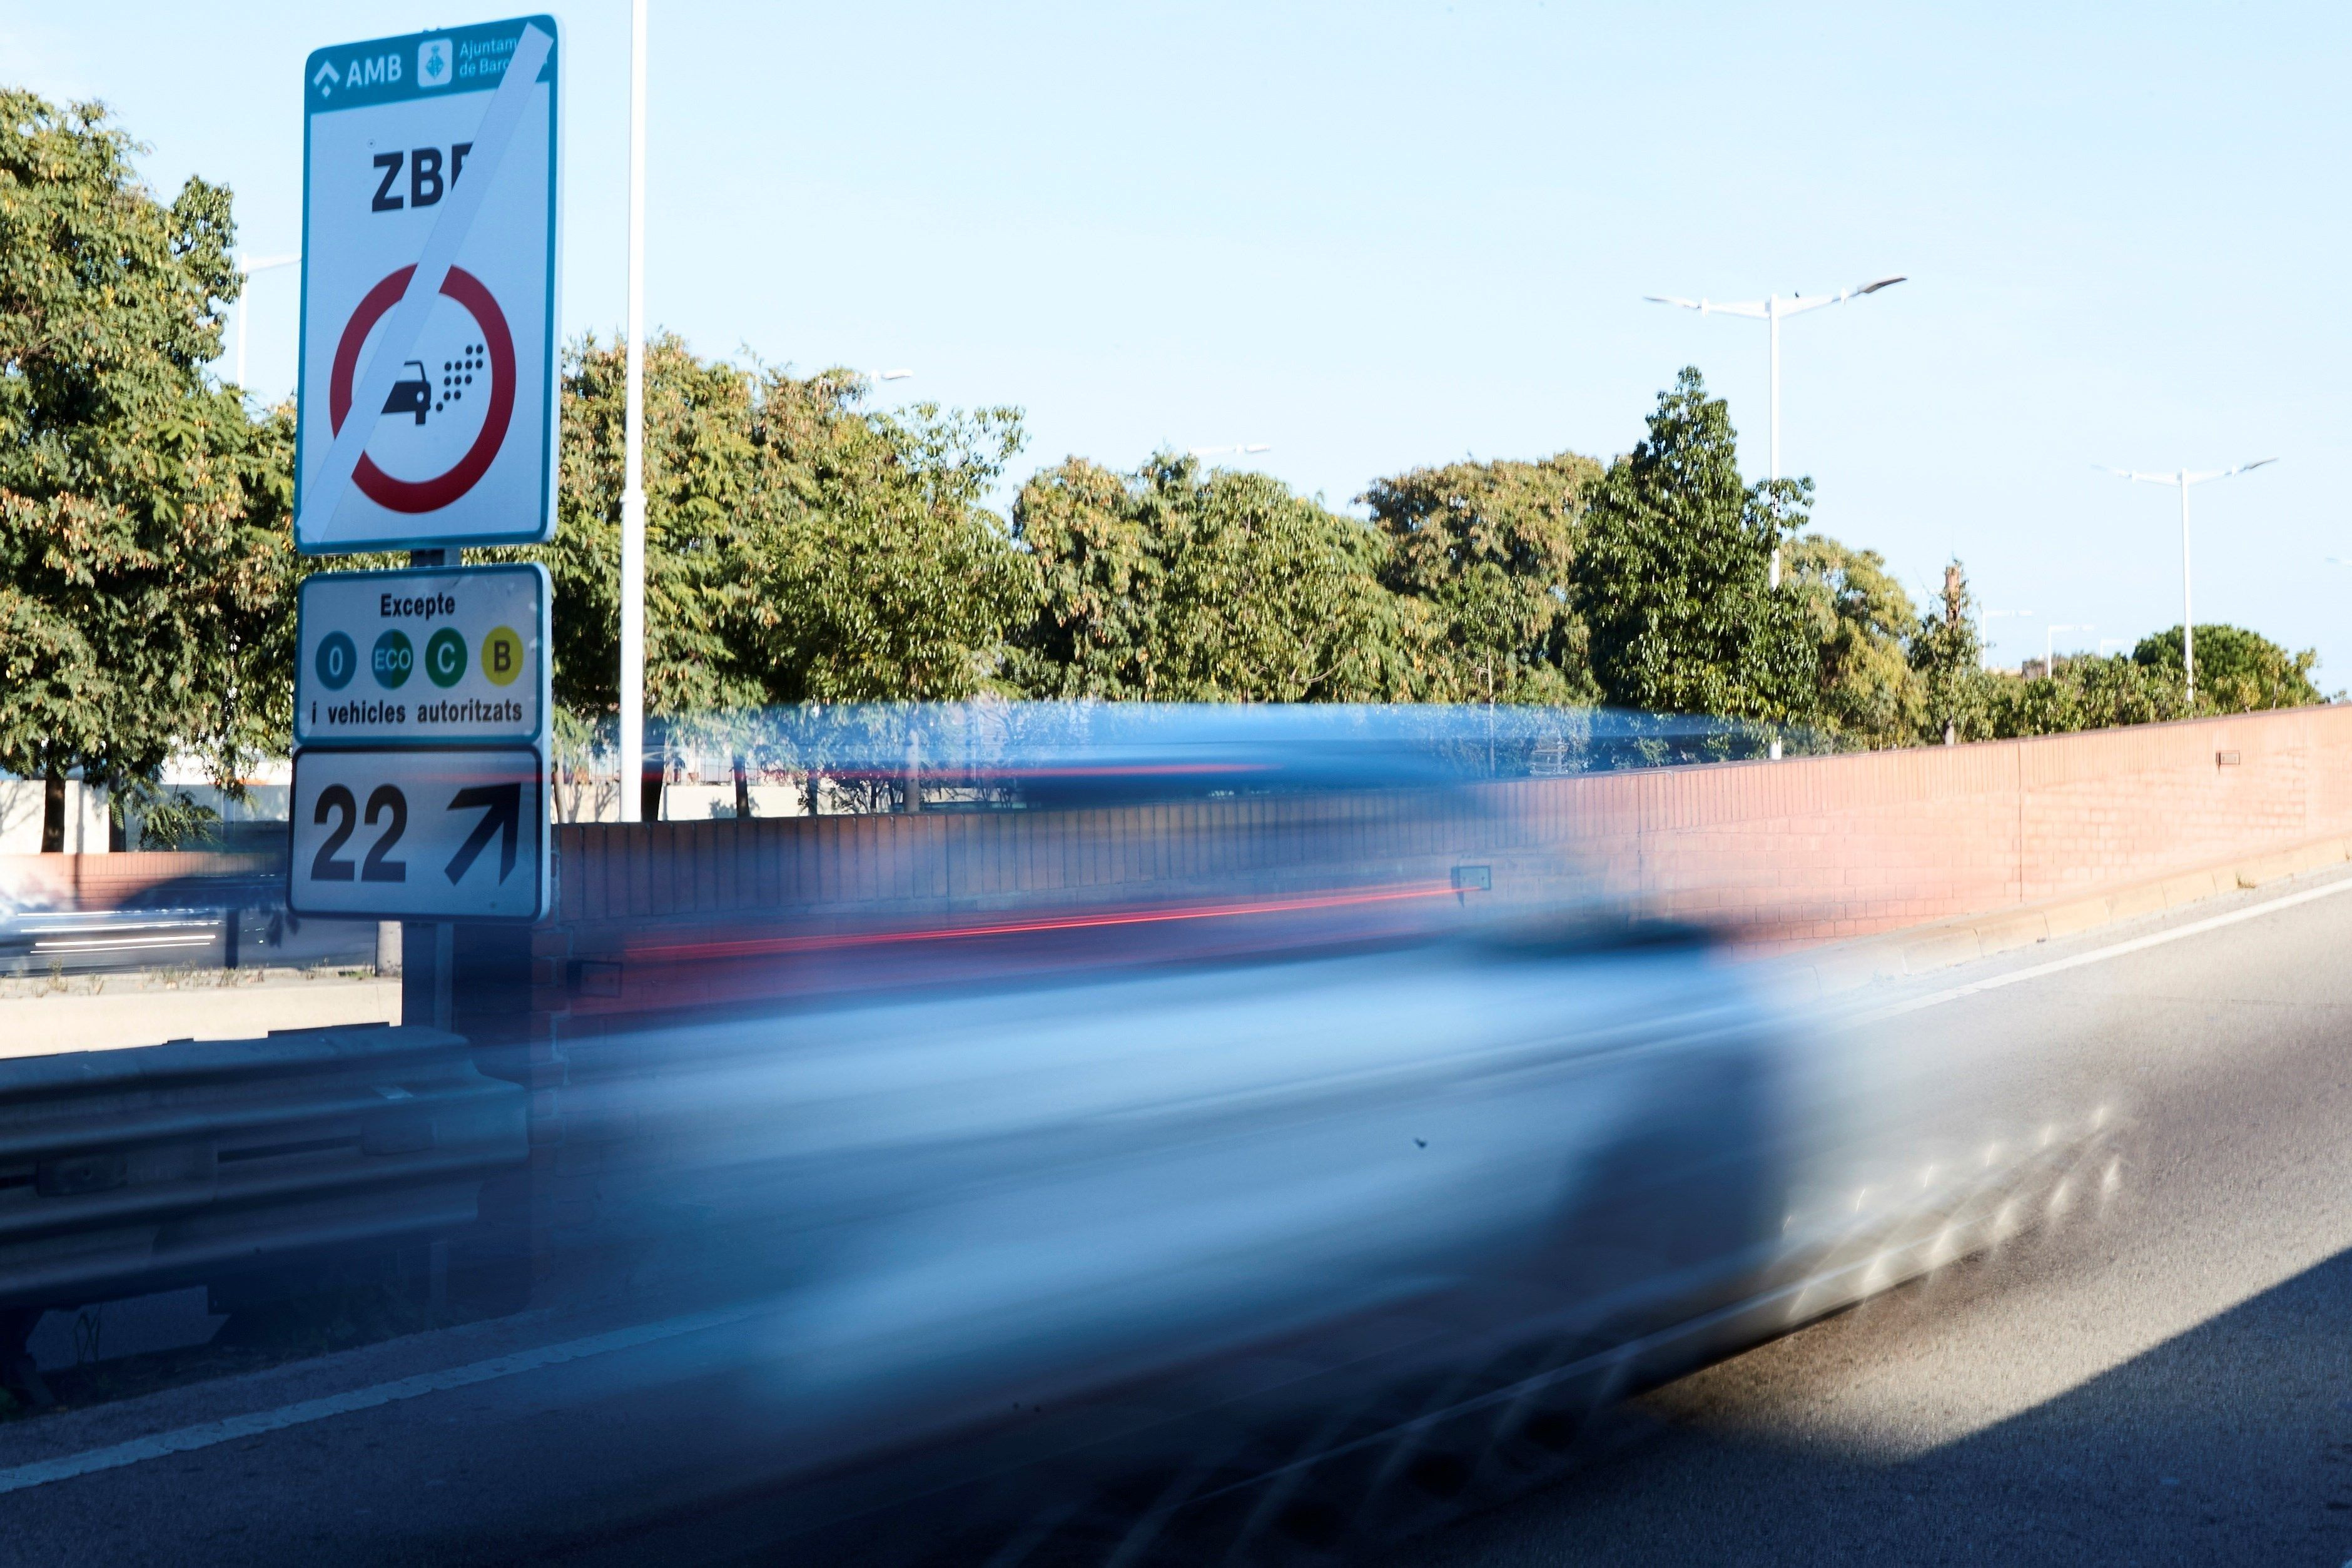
[(442, 428), (457, 376)]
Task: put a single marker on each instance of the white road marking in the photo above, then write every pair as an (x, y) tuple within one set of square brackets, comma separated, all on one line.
[(2100, 955), (205, 1434)]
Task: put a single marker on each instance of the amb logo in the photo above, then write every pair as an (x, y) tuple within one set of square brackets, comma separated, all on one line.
[(377, 70)]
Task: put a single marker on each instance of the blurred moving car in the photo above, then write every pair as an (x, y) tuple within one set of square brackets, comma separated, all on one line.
[(1387, 1125), (198, 921)]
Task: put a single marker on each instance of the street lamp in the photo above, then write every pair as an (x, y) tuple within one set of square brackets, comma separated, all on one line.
[(1239, 449), (2184, 479), (1770, 311), (245, 269)]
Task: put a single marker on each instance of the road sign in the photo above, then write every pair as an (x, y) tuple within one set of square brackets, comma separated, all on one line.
[(428, 388), (422, 658), (408, 833)]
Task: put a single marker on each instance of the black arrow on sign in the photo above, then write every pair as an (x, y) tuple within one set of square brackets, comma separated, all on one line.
[(504, 816)]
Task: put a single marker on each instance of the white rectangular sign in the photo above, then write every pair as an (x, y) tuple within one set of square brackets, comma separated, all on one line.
[(407, 177), (428, 657), (419, 835)]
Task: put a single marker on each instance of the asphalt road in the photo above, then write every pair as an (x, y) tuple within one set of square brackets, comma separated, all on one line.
[(2167, 1381), (2172, 1383)]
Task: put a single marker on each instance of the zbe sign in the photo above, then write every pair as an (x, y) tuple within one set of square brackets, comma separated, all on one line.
[(427, 400)]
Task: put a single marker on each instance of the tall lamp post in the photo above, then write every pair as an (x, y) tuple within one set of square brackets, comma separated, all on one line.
[(247, 268), (1770, 311), (2184, 479), (633, 462)]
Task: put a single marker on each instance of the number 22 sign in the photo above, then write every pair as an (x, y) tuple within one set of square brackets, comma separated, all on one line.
[(419, 834)]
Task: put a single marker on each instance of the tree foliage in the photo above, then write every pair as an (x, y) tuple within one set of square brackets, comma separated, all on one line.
[(1674, 577), (2077, 693), (1181, 584), (1946, 655), (144, 559), (798, 547), (1491, 547), (1861, 619), (2237, 671), (881, 574)]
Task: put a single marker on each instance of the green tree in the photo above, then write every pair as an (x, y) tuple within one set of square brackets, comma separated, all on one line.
[(1948, 656), (144, 558), (1869, 695), (879, 572), (1181, 584), (1672, 578), (2077, 693), (798, 548), (698, 483), (2237, 671), (1491, 548)]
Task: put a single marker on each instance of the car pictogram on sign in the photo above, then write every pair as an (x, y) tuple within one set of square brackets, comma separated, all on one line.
[(411, 396)]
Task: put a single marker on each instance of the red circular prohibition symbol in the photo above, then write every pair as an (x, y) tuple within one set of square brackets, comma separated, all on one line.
[(429, 495)]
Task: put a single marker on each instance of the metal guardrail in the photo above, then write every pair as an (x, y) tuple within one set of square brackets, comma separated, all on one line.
[(151, 1168)]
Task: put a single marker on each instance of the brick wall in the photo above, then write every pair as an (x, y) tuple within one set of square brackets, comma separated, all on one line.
[(1804, 849), (108, 881)]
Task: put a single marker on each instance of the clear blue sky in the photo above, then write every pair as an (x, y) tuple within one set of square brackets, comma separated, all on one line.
[(1378, 235)]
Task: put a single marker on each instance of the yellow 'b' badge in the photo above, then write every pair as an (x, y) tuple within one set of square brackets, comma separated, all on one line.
[(502, 656)]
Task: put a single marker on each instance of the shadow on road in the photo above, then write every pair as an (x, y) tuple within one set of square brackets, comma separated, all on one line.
[(2231, 1443)]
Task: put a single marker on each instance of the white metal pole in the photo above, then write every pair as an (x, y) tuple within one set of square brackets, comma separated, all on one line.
[(1773, 319), (633, 482), (247, 269), (1772, 331), (2188, 620)]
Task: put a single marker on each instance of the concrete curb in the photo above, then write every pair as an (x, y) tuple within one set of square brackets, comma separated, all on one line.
[(1923, 949), (115, 1021)]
